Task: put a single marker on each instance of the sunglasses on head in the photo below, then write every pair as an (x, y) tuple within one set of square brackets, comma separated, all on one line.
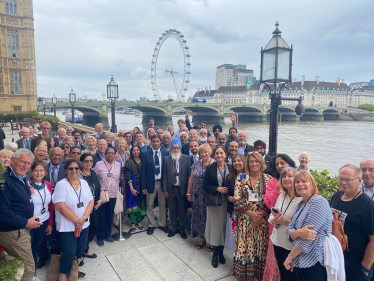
[(73, 168)]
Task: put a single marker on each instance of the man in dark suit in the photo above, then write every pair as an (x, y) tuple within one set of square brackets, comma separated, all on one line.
[(193, 136), (25, 141), (55, 172), (151, 183), (101, 145), (260, 146), (99, 128), (232, 136), (194, 149), (46, 128), (176, 173)]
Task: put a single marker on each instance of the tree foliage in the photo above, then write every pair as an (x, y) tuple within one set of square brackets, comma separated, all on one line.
[(366, 106), (327, 186)]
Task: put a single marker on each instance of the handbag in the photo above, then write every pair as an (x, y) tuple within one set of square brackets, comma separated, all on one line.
[(54, 269), (118, 209), (105, 193), (338, 232)]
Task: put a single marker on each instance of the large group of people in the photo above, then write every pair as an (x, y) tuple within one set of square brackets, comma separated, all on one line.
[(61, 190)]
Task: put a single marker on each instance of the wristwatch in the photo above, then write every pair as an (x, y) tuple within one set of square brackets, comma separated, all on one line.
[(85, 218), (365, 269)]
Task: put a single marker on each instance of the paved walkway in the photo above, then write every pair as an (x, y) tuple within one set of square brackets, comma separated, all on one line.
[(9, 136)]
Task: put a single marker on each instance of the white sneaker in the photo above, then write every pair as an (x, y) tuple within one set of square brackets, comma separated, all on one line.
[(35, 278)]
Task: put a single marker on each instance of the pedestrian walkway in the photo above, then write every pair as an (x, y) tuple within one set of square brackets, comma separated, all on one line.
[(9, 135)]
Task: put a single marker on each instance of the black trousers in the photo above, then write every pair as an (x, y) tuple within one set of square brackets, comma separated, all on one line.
[(281, 255), (177, 208), (314, 273)]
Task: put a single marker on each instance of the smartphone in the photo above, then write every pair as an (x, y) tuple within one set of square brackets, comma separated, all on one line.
[(76, 138), (275, 210)]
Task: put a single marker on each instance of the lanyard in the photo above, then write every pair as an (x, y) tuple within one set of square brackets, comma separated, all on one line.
[(45, 198), (80, 191), (251, 188), (287, 205), (107, 166), (303, 209)]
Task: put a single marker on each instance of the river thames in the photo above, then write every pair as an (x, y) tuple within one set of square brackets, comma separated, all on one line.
[(331, 144)]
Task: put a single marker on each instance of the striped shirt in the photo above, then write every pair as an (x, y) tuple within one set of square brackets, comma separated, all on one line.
[(317, 212)]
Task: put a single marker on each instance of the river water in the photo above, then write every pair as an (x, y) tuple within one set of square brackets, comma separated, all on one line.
[(331, 144)]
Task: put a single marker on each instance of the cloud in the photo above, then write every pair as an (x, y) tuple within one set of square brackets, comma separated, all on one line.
[(82, 43)]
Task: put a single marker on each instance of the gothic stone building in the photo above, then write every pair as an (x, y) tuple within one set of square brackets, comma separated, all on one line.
[(17, 56)]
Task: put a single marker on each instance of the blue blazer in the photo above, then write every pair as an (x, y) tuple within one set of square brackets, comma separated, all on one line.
[(148, 169)]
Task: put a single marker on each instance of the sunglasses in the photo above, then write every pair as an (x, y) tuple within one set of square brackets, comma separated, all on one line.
[(88, 161), (75, 153), (66, 147), (73, 168)]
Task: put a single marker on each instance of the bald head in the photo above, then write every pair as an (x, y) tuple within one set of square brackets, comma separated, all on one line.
[(367, 169), (242, 138), (221, 138)]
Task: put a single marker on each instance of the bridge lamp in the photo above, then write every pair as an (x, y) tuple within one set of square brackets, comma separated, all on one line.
[(276, 68), (112, 95), (43, 102), (72, 100), (54, 102)]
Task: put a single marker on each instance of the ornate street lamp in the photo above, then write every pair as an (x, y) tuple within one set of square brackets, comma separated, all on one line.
[(54, 102), (276, 68), (43, 102), (72, 100), (112, 94)]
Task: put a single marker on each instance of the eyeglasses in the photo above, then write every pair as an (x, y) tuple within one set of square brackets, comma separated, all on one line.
[(73, 168), (57, 155), (110, 153), (46, 128), (75, 153), (341, 180), (88, 161), (67, 147), (44, 151), (24, 163)]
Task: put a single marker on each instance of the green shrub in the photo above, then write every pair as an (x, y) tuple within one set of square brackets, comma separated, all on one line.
[(366, 106), (9, 267), (327, 186)]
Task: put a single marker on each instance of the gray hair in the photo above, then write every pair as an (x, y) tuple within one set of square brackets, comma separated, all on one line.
[(166, 133), (61, 130), (356, 169), (282, 175), (11, 145), (222, 134), (183, 133), (21, 151), (25, 128), (100, 125), (53, 148), (203, 129), (212, 137), (121, 130), (306, 153), (70, 127)]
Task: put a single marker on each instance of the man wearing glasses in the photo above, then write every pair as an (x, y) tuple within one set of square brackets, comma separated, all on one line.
[(46, 128), (75, 153), (356, 211), (78, 140), (17, 211), (55, 173), (61, 135)]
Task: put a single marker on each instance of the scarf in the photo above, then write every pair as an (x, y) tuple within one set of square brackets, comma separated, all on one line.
[(37, 186)]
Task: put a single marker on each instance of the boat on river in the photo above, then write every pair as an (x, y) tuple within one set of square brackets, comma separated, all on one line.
[(78, 118)]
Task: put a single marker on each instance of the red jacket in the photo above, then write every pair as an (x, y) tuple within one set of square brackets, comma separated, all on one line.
[(50, 205)]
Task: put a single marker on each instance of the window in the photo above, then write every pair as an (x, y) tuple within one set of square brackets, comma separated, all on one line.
[(15, 82), (13, 44), (11, 7)]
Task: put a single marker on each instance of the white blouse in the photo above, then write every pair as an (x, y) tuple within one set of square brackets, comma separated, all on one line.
[(279, 237), (64, 192)]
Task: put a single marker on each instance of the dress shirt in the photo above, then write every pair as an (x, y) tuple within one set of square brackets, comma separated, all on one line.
[(157, 177), (195, 157), (367, 191), (177, 177), (56, 172), (241, 150), (24, 142), (101, 156)]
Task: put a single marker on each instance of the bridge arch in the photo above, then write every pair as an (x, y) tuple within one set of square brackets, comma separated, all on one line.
[(331, 114)]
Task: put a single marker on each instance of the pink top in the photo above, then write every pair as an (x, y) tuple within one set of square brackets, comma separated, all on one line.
[(102, 169), (271, 196)]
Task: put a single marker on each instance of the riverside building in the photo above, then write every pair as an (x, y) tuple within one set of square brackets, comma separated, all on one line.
[(17, 56)]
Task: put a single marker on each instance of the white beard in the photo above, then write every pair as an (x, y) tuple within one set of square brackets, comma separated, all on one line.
[(201, 139), (175, 156), (242, 142)]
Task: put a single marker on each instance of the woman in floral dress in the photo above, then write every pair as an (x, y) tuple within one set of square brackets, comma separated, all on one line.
[(252, 214)]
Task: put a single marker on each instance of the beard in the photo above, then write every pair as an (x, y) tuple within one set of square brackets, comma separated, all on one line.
[(242, 142), (202, 139), (175, 156)]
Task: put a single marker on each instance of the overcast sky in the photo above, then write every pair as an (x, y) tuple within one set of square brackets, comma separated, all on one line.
[(81, 43)]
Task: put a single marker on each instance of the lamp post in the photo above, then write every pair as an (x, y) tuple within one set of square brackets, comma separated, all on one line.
[(54, 102), (72, 99), (276, 68), (112, 94), (43, 105)]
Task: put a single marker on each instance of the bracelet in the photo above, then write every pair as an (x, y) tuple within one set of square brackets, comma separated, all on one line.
[(129, 181), (188, 194)]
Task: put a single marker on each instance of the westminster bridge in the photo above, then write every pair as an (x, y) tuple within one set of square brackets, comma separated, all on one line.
[(213, 113)]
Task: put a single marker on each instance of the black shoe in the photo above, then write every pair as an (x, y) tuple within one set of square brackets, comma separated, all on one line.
[(165, 229), (81, 263), (222, 259), (183, 234), (82, 275), (150, 230), (172, 233), (215, 261), (40, 263)]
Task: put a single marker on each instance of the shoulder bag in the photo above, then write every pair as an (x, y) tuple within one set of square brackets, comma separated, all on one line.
[(104, 194)]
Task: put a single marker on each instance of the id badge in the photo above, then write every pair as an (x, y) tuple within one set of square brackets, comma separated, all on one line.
[(109, 175), (253, 195), (80, 205), (43, 211)]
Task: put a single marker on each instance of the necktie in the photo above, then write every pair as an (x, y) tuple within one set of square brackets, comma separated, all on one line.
[(28, 144), (157, 164), (196, 158), (53, 177), (174, 174)]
